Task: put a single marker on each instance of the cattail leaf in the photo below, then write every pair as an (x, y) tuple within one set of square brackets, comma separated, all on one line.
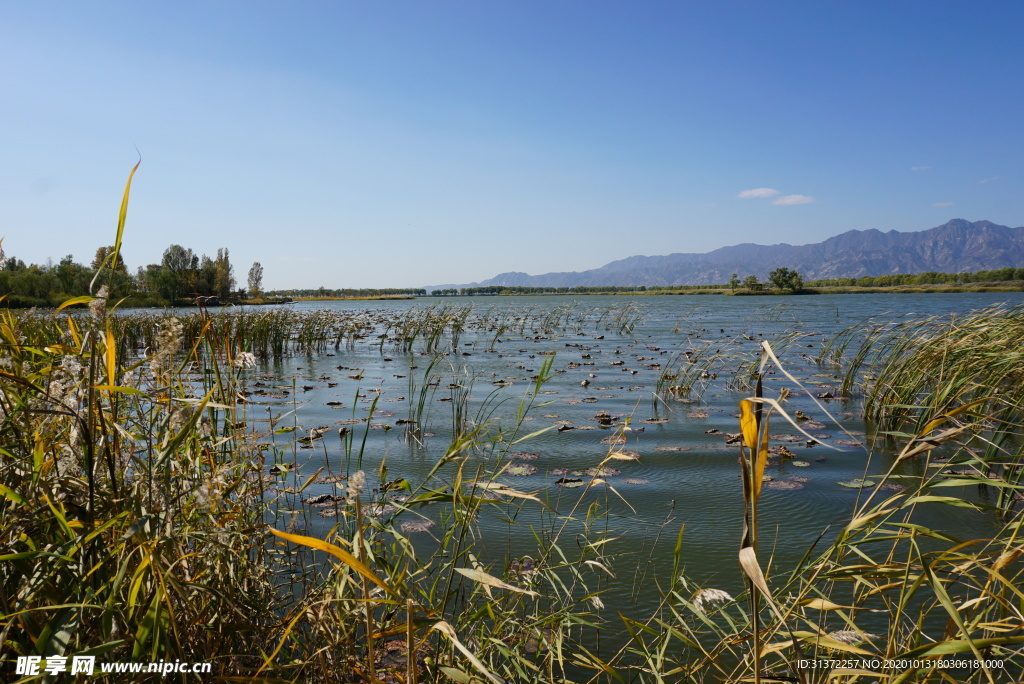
[(123, 214), (456, 675), (949, 500), (958, 646), (122, 390), (836, 645), (596, 564), (9, 493), (533, 434), (965, 480)]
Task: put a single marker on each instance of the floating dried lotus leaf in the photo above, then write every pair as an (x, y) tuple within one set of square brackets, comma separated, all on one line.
[(788, 438), (520, 469), (602, 471)]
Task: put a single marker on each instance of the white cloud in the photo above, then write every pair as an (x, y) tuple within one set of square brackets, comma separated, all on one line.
[(988, 180), (787, 200), (943, 204), (920, 168), (757, 193)]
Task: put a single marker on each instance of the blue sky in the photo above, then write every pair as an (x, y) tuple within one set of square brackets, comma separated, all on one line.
[(393, 144)]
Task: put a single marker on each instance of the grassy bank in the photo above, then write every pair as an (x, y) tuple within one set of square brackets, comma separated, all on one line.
[(848, 289), (353, 298), (1014, 286)]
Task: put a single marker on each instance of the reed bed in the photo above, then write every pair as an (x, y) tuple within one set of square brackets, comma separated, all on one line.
[(273, 333), (141, 523), (129, 501), (910, 368), (700, 363)]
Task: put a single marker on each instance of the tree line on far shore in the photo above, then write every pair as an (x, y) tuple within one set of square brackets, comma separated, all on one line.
[(786, 279), (329, 293), (182, 277)]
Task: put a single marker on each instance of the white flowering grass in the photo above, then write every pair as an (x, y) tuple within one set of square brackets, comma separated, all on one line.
[(706, 598)]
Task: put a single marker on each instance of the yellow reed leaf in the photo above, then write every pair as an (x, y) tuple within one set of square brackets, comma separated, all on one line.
[(446, 629), (950, 414), (750, 427), (84, 299), (492, 581), (506, 491), (339, 553), (111, 356), (748, 424), (823, 604)]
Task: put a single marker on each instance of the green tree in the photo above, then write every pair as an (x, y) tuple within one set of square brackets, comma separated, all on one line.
[(204, 284), (102, 254), (752, 283), (786, 279), (255, 279), (224, 281), (734, 282), (161, 282), (182, 266)]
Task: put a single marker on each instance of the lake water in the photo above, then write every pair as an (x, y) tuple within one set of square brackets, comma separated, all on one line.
[(685, 472)]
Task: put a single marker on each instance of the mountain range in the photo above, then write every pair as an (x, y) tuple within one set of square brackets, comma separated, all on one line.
[(955, 247)]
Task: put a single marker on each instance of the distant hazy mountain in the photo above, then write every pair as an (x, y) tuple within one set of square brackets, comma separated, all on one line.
[(956, 247)]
